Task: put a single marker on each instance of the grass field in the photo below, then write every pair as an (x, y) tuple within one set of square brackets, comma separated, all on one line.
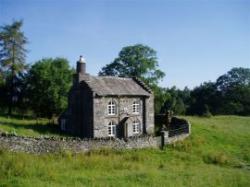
[(216, 154), (28, 127)]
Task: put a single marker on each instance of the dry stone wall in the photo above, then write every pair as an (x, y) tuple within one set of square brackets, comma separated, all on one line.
[(57, 144), (46, 145)]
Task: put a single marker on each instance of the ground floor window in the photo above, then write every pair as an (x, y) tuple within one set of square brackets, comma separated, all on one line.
[(111, 129), (136, 126)]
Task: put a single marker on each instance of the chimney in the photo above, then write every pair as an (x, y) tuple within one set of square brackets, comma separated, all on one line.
[(81, 66)]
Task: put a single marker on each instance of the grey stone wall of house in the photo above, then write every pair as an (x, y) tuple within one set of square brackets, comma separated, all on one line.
[(124, 109), (86, 109), (149, 114), (79, 114)]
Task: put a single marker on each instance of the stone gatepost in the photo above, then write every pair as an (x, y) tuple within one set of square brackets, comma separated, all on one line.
[(164, 138)]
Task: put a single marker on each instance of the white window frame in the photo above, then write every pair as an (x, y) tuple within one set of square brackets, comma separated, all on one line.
[(111, 107), (136, 127), (136, 107), (63, 124), (111, 129)]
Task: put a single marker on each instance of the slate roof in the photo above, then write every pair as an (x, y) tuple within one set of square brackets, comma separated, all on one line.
[(117, 86)]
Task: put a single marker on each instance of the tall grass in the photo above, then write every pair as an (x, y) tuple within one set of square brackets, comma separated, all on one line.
[(216, 154)]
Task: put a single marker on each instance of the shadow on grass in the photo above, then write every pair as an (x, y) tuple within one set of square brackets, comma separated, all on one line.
[(43, 129), (17, 116)]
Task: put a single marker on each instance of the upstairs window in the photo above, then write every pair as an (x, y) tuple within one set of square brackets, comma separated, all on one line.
[(136, 126), (136, 107), (111, 129), (111, 108)]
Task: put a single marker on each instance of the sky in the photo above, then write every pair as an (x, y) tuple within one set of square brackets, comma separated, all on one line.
[(195, 40)]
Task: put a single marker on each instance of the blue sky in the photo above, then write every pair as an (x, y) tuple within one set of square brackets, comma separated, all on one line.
[(196, 40)]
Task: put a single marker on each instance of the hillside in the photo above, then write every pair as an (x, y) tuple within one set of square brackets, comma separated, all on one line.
[(216, 154)]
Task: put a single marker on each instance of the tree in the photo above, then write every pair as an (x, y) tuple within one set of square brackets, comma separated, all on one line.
[(179, 108), (3, 92), (137, 60), (236, 100), (204, 98), (161, 95), (235, 77), (177, 101), (235, 91), (12, 56), (49, 81)]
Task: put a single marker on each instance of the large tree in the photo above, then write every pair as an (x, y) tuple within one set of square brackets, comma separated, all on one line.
[(233, 78), (177, 100), (12, 57), (136, 60), (205, 99), (48, 84), (235, 91)]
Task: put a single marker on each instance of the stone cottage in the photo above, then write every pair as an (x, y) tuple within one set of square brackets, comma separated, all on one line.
[(107, 106)]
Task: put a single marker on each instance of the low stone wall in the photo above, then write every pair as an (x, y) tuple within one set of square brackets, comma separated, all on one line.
[(77, 145), (46, 145)]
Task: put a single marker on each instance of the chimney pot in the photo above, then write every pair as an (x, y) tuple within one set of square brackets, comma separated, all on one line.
[(81, 59), (81, 66)]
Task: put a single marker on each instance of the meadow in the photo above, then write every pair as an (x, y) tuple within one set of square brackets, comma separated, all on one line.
[(27, 126), (216, 154)]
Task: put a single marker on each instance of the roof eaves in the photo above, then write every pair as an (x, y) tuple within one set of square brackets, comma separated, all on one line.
[(142, 84)]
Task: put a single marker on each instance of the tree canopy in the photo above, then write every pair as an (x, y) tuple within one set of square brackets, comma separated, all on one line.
[(136, 60), (235, 91), (235, 77), (49, 81)]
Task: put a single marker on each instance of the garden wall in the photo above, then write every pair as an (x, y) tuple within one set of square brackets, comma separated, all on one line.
[(56, 144), (45, 145), (48, 145)]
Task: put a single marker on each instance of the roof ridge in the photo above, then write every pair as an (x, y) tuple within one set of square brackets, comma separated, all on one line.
[(113, 77)]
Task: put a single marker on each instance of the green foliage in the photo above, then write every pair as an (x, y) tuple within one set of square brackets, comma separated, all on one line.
[(204, 98), (160, 96), (234, 78), (177, 100), (230, 94), (179, 107), (49, 81), (235, 91), (12, 59), (135, 61), (206, 111), (216, 154)]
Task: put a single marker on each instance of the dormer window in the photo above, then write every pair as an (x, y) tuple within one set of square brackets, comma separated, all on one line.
[(112, 108), (136, 107)]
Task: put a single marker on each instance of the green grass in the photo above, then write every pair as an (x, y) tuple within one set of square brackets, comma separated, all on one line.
[(28, 127), (216, 154)]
